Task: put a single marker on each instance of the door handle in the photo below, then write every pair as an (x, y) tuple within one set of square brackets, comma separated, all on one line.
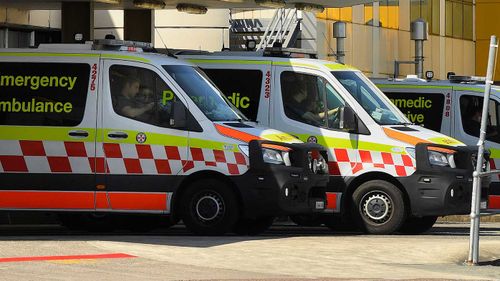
[(117, 135), (78, 134)]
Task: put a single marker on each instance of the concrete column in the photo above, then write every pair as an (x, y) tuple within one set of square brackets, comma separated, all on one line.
[(376, 40), (77, 17), (138, 25)]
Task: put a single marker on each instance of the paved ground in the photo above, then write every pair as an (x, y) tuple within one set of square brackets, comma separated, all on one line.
[(283, 253)]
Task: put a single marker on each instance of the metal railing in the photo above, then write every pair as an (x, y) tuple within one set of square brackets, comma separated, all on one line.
[(281, 28)]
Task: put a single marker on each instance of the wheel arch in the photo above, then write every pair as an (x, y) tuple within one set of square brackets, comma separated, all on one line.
[(198, 176)]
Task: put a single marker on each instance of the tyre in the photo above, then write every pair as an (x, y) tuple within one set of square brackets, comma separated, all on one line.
[(209, 207), (253, 226), (307, 220), (379, 207), (417, 225)]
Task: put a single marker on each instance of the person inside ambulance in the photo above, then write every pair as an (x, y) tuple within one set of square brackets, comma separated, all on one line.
[(304, 105), (129, 104), (472, 124)]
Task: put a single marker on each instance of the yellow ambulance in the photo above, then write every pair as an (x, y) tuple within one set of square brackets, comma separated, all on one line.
[(387, 174), (104, 127)]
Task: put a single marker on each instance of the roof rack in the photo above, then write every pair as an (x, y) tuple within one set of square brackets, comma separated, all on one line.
[(466, 79), (278, 51)]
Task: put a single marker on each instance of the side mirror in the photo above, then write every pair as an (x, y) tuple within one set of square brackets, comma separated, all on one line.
[(348, 119), (179, 116)]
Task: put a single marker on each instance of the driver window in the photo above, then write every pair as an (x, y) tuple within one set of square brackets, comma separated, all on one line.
[(304, 99), (471, 112), (140, 94)]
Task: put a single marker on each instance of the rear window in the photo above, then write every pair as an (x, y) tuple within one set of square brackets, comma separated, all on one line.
[(43, 94)]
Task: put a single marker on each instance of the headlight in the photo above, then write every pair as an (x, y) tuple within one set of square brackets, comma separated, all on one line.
[(272, 156), (438, 159)]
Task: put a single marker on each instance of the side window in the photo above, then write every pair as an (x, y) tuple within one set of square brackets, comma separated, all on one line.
[(241, 87), (471, 112), (140, 94), (43, 94), (310, 99), (425, 109)]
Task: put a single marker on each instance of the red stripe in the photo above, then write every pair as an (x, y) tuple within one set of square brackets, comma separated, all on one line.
[(197, 154), (235, 134), (233, 169), (172, 153), (187, 165), (341, 155), (162, 166), (407, 160), (46, 200), (138, 201), (400, 170), (494, 202), (74, 257), (133, 166), (101, 200), (75, 149), (387, 158), (112, 150), (144, 151), (59, 164), (219, 156), (366, 156), (240, 159)]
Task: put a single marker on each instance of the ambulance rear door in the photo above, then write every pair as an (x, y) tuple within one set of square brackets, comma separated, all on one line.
[(47, 131)]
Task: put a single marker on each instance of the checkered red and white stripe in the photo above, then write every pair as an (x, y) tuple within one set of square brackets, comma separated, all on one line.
[(348, 162), (77, 157)]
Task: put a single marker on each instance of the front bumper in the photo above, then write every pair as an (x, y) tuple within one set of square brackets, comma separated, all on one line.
[(439, 191), (269, 189)]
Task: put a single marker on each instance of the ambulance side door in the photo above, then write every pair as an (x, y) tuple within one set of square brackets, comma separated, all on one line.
[(47, 132), (143, 149), (247, 86)]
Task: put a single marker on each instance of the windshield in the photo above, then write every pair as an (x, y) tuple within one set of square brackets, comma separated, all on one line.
[(206, 96), (375, 103)]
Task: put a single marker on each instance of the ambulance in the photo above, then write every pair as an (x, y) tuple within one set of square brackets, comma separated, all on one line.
[(386, 174), (452, 107), (105, 127)]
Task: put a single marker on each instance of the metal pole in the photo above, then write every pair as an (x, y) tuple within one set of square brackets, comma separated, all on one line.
[(476, 184), (419, 58)]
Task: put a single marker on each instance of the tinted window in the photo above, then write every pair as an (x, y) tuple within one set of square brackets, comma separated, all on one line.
[(471, 108), (419, 108), (203, 93), (43, 94), (241, 87), (142, 95), (310, 99)]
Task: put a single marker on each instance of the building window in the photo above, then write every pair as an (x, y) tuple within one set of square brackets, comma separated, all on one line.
[(389, 13), (427, 10), (459, 19)]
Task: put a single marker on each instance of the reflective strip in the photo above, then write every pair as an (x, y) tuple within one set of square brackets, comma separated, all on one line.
[(24, 199), (494, 202), (403, 137), (235, 134), (495, 152), (346, 143), (338, 66), (400, 86), (282, 63), (139, 201), (124, 57), (36, 54), (219, 61), (333, 201)]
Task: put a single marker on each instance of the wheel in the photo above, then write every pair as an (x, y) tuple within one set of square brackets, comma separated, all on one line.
[(379, 207), (253, 226), (415, 225), (209, 207), (307, 220)]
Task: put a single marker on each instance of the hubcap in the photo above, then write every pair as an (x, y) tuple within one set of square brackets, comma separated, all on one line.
[(209, 207), (377, 206)]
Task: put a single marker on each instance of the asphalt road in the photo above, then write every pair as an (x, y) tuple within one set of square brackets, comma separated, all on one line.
[(285, 252)]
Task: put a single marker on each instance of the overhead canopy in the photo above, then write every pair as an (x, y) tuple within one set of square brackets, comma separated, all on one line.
[(172, 4)]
